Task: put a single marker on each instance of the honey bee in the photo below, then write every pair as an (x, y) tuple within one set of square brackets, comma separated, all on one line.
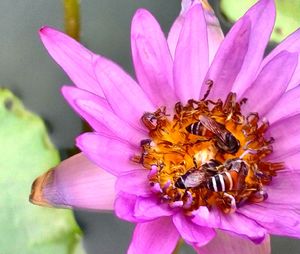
[(153, 120), (232, 177), (195, 177), (225, 140), (149, 120), (191, 179)]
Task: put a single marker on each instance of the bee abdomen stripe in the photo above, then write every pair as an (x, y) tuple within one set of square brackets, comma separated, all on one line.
[(229, 178), (222, 181), (219, 180), (194, 128), (214, 183)]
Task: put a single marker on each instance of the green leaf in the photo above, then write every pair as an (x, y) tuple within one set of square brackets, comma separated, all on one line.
[(287, 19), (25, 153)]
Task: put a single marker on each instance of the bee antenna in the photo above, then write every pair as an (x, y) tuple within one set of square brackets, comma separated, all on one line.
[(209, 83), (195, 162)]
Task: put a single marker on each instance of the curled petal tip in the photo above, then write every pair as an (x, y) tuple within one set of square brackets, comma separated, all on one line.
[(44, 30), (37, 189)]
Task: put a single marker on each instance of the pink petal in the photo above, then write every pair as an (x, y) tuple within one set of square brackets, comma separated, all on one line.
[(291, 161), (270, 84), (214, 32), (124, 95), (151, 208), (277, 219), (225, 243), (287, 137), (98, 110), (72, 94), (291, 44), (238, 58), (110, 153), (76, 60), (124, 207), (139, 209), (151, 58), (287, 106), (193, 234), (234, 223), (279, 190), (262, 18), (191, 56), (158, 236), (135, 182), (75, 183), (229, 60)]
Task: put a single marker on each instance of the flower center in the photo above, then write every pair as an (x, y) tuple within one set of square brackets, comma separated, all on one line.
[(207, 154)]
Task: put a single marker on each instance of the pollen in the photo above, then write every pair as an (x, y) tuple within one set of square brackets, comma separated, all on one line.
[(207, 153)]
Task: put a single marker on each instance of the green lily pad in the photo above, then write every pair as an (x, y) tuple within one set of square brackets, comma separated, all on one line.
[(287, 18), (25, 153)]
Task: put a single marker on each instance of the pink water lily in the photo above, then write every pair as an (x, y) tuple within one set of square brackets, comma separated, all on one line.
[(254, 99)]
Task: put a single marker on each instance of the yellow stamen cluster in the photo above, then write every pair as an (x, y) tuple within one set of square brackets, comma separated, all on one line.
[(172, 152)]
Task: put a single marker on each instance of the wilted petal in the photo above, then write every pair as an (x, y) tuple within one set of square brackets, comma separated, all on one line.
[(287, 137), (125, 96), (291, 44), (191, 56), (287, 106), (225, 243), (110, 153), (75, 183), (192, 233), (151, 58), (158, 236), (234, 223), (269, 84), (262, 18), (76, 60)]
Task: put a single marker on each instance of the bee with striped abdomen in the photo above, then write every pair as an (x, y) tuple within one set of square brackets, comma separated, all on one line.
[(231, 179), (225, 140), (196, 177)]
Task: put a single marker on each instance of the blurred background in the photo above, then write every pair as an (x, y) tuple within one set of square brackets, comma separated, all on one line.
[(27, 70)]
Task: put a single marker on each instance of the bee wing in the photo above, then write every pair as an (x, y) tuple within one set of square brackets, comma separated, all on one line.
[(215, 127), (194, 179)]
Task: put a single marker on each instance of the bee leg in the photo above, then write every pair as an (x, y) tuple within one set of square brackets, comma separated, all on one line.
[(230, 201), (258, 196), (195, 162), (189, 200)]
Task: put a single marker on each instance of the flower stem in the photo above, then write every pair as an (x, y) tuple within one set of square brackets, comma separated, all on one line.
[(72, 18), (72, 28), (178, 246)]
